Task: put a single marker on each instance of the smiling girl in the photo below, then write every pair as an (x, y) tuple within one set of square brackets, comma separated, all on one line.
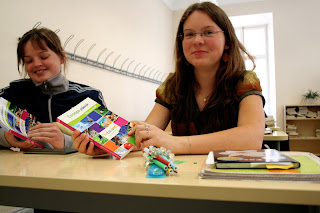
[(44, 92)]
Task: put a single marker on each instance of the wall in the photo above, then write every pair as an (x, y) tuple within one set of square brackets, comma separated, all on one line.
[(139, 30), (296, 41)]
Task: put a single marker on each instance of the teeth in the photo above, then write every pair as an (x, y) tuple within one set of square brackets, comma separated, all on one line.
[(39, 71)]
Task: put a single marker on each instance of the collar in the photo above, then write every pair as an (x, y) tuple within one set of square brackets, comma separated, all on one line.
[(54, 86)]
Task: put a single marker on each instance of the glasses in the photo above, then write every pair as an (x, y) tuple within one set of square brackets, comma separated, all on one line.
[(204, 34)]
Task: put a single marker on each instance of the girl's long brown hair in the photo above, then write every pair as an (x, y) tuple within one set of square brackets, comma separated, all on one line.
[(181, 85)]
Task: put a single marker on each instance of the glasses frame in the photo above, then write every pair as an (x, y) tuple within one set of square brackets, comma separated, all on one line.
[(181, 35)]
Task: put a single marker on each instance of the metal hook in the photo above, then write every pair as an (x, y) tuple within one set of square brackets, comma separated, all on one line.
[(158, 75), (163, 76), (66, 42), (107, 58), (155, 74), (129, 65), (116, 60), (123, 63), (75, 49), (146, 71), (142, 69), (151, 72), (135, 68), (36, 25), (101, 54), (92, 46)]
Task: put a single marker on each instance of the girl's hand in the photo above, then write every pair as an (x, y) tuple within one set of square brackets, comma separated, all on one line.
[(47, 132), (149, 135), (14, 142), (83, 145)]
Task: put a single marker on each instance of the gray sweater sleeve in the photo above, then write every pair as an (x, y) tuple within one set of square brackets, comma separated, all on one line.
[(3, 141), (67, 141)]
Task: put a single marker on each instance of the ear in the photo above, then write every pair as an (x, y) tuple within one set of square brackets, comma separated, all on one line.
[(226, 47), (63, 58)]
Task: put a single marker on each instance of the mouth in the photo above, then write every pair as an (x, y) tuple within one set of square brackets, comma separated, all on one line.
[(199, 52), (40, 71)]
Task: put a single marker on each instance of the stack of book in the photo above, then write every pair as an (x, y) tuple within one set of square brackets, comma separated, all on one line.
[(270, 121), (291, 113), (291, 130), (267, 164)]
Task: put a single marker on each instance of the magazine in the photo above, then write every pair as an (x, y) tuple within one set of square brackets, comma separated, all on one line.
[(16, 121), (309, 171), (245, 159), (105, 129)]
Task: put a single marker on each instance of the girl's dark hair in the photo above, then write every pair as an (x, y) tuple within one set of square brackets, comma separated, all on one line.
[(40, 37), (181, 85)]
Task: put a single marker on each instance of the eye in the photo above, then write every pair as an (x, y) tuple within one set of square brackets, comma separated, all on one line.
[(208, 33), (189, 35), (27, 61), (45, 56)]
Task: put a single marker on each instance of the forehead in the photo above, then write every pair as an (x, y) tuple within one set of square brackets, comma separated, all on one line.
[(199, 19)]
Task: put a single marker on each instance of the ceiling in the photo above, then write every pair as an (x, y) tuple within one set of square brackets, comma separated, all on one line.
[(183, 4)]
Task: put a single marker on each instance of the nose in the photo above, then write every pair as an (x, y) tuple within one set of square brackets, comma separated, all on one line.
[(198, 39), (37, 62)]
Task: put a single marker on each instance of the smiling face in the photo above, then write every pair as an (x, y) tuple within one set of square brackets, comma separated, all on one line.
[(201, 51), (41, 64)]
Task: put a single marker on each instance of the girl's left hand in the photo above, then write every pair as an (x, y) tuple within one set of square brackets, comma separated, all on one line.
[(149, 135), (47, 132)]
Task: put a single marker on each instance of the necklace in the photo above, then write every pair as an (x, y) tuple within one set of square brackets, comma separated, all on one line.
[(206, 98)]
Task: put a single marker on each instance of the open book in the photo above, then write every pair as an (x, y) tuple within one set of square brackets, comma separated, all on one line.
[(105, 129), (16, 121), (308, 171)]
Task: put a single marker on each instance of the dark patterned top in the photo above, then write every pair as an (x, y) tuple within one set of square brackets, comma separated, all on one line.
[(198, 124)]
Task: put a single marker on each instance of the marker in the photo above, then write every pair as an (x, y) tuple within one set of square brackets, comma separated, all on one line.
[(161, 165), (162, 160)]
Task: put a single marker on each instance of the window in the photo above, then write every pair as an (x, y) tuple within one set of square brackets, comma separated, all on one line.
[(256, 34)]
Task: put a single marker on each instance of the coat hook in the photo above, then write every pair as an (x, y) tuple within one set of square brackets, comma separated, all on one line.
[(163, 76), (158, 75), (66, 42), (151, 72), (75, 49), (36, 25), (124, 63), (92, 46), (101, 54), (136, 68), (155, 74), (116, 60), (129, 65), (146, 71), (141, 69), (107, 58)]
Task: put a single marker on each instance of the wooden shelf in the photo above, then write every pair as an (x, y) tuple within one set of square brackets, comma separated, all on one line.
[(304, 138), (306, 128), (302, 119)]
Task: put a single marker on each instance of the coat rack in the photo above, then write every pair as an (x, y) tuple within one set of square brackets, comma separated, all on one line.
[(143, 73)]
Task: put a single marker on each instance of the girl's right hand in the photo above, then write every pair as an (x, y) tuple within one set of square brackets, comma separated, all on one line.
[(82, 143), (14, 142)]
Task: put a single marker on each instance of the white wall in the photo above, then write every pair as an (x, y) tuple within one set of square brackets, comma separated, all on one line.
[(297, 44), (139, 30), (143, 30)]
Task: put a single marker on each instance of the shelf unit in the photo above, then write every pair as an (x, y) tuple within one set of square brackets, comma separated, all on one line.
[(306, 128)]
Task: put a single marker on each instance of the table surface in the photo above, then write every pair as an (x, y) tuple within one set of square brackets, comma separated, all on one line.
[(81, 173)]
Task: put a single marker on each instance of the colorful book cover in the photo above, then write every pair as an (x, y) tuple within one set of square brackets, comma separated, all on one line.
[(105, 129), (16, 120)]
